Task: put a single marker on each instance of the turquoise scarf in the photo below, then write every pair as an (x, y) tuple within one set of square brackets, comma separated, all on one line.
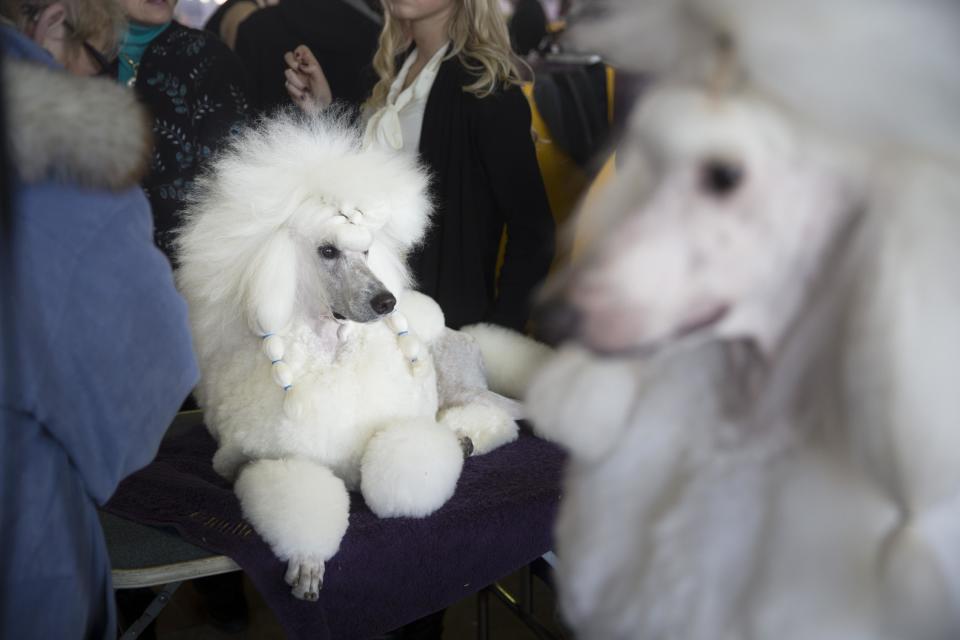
[(135, 42)]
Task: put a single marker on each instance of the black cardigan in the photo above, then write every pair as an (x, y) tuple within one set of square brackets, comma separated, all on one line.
[(196, 91), (485, 176)]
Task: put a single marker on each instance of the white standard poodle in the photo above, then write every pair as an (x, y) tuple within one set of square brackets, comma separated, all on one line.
[(322, 371), (760, 390)]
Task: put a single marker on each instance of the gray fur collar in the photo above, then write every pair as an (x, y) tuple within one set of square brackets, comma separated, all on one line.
[(88, 131)]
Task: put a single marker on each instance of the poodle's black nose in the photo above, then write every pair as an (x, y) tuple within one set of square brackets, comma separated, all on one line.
[(383, 302), (555, 322)]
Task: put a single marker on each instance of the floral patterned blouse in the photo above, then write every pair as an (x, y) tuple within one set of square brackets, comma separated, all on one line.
[(196, 90)]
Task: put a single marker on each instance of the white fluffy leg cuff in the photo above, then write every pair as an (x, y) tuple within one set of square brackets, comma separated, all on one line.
[(423, 313), (298, 506), (227, 460), (410, 469), (487, 427), (581, 402)]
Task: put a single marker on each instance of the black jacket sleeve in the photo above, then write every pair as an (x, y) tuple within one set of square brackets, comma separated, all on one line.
[(507, 154)]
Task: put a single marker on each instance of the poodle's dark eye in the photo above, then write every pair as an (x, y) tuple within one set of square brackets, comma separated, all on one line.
[(720, 177), (329, 252), (367, 252)]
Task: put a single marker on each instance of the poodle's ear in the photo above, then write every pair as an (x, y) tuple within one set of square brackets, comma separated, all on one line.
[(271, 285)]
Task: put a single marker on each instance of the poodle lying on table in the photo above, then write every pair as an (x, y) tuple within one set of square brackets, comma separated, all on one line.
[(321, 370), (759, 393)]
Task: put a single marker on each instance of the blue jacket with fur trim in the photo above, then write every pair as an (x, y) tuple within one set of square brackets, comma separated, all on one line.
[(95, 355)]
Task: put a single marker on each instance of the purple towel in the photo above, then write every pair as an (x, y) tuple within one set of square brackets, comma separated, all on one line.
[(387, 572)]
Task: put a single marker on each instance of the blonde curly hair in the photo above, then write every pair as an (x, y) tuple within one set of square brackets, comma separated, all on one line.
[(102, 21), (478, 36)]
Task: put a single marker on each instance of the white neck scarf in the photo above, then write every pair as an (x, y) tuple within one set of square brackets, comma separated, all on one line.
[(384, 127)]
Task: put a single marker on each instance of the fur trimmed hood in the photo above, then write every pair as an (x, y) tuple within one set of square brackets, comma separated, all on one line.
[(89, 131)]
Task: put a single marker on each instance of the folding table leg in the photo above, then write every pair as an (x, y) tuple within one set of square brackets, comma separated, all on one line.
[(513, 605), (483, 614), (526, 590), (152, 611)]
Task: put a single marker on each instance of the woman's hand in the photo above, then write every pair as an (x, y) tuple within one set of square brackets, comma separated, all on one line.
[(305, 82)]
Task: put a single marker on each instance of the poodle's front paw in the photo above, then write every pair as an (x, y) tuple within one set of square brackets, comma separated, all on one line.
[(410, 469), (467, 445), (228, 460), (487, 427), (305, 575)]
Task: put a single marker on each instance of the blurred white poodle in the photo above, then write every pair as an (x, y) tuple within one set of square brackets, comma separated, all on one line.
[(760, 388)]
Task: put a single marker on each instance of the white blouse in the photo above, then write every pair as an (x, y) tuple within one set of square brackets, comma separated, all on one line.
[(397, 124)]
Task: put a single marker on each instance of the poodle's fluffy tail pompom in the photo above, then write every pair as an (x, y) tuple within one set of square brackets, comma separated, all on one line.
[(410, 469), (510, 359)]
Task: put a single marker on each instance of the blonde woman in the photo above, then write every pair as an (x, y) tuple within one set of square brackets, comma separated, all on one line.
[(449, 90)]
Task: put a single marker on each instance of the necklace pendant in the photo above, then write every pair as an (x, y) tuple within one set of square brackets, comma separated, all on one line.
[(132, 81)]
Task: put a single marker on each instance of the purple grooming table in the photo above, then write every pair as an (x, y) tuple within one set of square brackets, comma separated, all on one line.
[(387, 572)]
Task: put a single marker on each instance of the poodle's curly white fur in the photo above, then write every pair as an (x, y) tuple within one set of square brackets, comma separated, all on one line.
[(319, 363)]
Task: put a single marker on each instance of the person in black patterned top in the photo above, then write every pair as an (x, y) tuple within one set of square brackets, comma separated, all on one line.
[(195, 88)]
